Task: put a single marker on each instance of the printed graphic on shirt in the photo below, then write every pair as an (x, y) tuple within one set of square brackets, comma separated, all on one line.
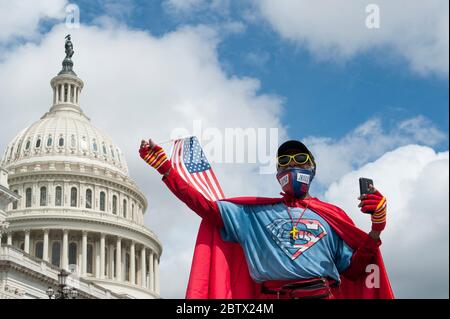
[(310, 231)]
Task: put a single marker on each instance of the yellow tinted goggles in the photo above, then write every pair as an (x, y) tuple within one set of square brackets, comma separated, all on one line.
[(300, 159)]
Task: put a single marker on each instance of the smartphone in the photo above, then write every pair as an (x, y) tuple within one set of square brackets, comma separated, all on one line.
[(364, 185)]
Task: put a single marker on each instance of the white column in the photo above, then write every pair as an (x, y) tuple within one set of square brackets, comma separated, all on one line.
[(151, 285), (56, 94), (118, 259), (111, 261), (157, 275), (45, 248), (84, 254), (102, 256), (97, 259), (65, 254), (143, 268), (132, 264), (9, 239), (27, 241), (69, 92)]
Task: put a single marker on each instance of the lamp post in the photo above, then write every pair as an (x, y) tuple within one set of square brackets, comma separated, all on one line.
[(64, 291)]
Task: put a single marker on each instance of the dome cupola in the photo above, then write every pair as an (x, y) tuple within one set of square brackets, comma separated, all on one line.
[(67, 85)]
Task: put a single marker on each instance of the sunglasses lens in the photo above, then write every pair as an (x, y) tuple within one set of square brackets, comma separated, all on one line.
[(283, 160), (301, 158)]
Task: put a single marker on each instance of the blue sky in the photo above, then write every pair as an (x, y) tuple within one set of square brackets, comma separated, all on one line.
[(321, 98)]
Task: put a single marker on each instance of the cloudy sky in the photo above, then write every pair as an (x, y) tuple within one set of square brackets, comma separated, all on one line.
[(369, 101)]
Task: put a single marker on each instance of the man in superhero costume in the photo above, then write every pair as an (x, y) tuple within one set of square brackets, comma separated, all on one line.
[(295, 246)]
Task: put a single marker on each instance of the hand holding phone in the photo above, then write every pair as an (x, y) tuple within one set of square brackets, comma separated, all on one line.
[(364, 186)]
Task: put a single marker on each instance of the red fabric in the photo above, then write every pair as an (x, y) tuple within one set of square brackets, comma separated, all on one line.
[(219, 269)]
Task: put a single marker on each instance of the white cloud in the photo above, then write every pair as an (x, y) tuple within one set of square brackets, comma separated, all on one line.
[(416, 30), (22, 18), (370, 140), (139, 86), (415, 181)]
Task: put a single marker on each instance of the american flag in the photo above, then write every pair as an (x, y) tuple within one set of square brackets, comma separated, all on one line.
[(191, 163)]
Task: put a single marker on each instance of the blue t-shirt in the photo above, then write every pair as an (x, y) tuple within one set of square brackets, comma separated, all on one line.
[(263, 231)]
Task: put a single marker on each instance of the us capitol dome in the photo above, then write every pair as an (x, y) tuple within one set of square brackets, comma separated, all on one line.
[(69, 203)]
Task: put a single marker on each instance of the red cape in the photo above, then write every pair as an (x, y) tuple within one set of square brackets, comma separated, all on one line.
[(219, 269)]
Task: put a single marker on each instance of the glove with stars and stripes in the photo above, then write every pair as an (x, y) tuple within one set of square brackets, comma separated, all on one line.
[(155, 156), (375, 204)]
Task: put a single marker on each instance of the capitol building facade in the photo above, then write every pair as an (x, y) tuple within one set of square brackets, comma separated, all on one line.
[(67, 202)]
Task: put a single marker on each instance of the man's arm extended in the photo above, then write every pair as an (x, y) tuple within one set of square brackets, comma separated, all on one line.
[(155, 156)]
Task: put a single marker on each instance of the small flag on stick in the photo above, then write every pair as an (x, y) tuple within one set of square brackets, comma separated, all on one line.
[(191, 163)]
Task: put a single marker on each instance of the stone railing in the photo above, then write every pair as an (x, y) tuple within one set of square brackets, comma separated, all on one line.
[(16, 256)]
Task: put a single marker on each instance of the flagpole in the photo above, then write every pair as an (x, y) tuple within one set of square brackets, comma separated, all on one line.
[(174, 139)]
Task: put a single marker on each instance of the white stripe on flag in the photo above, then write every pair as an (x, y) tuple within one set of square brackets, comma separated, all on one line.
[(204, 178), (188, 177), (214, 184)]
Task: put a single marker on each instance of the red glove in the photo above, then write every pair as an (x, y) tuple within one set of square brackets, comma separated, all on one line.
[(375, 204), (155, 157)]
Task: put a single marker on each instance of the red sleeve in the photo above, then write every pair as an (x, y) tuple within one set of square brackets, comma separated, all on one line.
[(363, 256), (193, 198)]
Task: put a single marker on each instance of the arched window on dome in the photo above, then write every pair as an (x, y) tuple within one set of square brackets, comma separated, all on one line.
[(18, 149), (88, 198), (66, 93), (38, 143), (132, 211), (39, 250), (102, 201), (73, 142), (114, 205), (73, 197), (124, 208), (104, 149), (127, 267), (112, 152), (11, 152), (43, 197), (28, 194), (27, 146), (61, 141), (118, 154), (15, 203), (90, 259), (56, 253), (73, 253), (49, 141), (58, 196), (94, 146), (72, 91)]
